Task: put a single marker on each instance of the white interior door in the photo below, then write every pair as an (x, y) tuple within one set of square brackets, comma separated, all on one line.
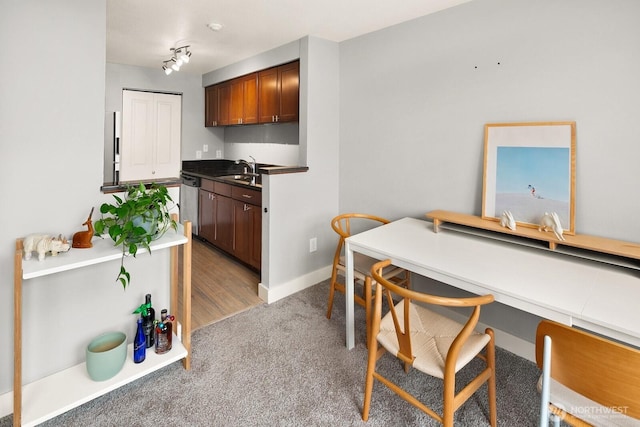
[(151, 129)]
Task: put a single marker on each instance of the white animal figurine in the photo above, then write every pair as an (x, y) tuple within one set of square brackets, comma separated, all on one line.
[(42, 244), (506, 220), (550, 221)]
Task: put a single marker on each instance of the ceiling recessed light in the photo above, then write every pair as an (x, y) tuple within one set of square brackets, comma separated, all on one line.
[(214, 26)]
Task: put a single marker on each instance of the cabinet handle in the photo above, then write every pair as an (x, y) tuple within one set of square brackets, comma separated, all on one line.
[(273, 118), (277, 118), (247, 196), (246, 207)]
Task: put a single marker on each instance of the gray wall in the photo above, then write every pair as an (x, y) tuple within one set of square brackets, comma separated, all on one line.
[(51, 161), (414, 99)]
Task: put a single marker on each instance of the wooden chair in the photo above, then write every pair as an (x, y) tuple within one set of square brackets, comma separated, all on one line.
[(431, 343), (586, 380), (344, 225)]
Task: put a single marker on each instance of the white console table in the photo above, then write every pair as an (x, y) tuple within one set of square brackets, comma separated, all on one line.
[(64, 390), (596, 296)]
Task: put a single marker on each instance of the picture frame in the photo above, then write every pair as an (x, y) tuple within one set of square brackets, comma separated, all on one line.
[(529, 170)]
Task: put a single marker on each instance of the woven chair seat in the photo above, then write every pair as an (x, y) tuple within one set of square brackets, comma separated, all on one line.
[(431, 336)]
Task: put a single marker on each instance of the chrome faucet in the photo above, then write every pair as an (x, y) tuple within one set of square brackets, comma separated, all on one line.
[(249, 169)]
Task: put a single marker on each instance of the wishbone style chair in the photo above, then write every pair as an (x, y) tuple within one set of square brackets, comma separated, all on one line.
[(344, 225), (431, 343), (586, 379)]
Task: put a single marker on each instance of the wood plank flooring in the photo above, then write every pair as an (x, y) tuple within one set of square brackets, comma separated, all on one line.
[(220, 286)]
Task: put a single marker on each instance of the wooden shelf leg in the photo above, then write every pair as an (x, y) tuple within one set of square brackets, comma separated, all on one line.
[(186, 295), (17, 335)]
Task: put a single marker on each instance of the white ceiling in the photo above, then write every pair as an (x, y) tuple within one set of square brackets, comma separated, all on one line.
[(141, 32)]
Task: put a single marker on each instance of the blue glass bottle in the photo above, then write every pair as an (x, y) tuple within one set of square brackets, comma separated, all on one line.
[(139, 344)]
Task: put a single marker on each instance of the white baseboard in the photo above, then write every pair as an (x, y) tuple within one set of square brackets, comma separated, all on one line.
[(6, 404), (273, 294)]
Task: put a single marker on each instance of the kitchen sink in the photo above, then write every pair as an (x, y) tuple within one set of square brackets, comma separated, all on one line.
[(241, 179)]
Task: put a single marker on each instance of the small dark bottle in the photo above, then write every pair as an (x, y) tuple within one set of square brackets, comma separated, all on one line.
[(164, 331), (149, 322), (139, 344)]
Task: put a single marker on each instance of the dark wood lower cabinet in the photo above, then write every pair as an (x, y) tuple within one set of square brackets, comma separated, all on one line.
[(224, 223), (230, 218), (248, 230)]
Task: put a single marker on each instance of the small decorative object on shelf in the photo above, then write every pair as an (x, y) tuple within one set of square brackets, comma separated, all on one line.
[(105, 355), (43, 243), (506, 220), (148, 315), (139, 344), (551, 221), (133, 222), (164, 331), (82, 239)]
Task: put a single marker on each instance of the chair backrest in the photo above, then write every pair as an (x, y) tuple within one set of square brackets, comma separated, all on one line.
[(600, 369), (346, 223), (403, 327)]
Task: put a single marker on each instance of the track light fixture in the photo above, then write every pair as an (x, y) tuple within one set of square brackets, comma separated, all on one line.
[(167, 67), (181, 55)]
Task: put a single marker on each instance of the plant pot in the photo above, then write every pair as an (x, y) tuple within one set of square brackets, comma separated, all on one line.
[(106, 355)]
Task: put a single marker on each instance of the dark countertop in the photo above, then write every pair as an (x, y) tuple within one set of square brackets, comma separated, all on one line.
[(210, 169), (218, 169), (110, 187)]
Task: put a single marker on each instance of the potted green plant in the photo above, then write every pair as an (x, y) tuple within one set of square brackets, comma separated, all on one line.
[(136, 220)]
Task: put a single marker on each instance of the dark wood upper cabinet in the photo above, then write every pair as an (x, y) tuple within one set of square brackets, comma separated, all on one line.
[(278, 93), (224, 101), (211, 106), (268, 96), (243, 108), (289, 91)]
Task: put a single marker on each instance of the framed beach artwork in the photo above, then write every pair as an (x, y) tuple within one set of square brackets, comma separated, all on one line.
[(529, 169)]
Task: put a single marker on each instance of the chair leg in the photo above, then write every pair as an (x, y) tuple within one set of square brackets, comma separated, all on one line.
[(491, 362), (367, 306), (368, 383), (448, 396), (332, 290)]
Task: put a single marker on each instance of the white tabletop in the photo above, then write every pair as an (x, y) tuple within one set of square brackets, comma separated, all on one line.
[(554, 286)]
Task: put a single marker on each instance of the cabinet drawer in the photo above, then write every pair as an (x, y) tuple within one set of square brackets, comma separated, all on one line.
[(206, 184), (222, 188), (247, 195)]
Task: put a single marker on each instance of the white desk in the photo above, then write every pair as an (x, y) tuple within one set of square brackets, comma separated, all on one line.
[(595, 296)]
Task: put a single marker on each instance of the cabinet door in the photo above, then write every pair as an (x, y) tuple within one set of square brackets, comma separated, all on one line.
[(206, 216), (211, 106), (289, 75), (236, 102), (224, 100), (250, 98), (224, 223), (243, 230), (268, 98)]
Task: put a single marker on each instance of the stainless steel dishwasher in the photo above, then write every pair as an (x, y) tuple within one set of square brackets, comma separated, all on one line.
[(189, 200)]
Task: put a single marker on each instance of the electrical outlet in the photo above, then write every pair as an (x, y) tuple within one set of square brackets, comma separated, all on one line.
[(313, 244), (205, 148), (198, 154), (218, 154)]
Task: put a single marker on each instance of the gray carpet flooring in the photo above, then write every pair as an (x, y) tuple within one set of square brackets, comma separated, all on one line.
[(285, 364)]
